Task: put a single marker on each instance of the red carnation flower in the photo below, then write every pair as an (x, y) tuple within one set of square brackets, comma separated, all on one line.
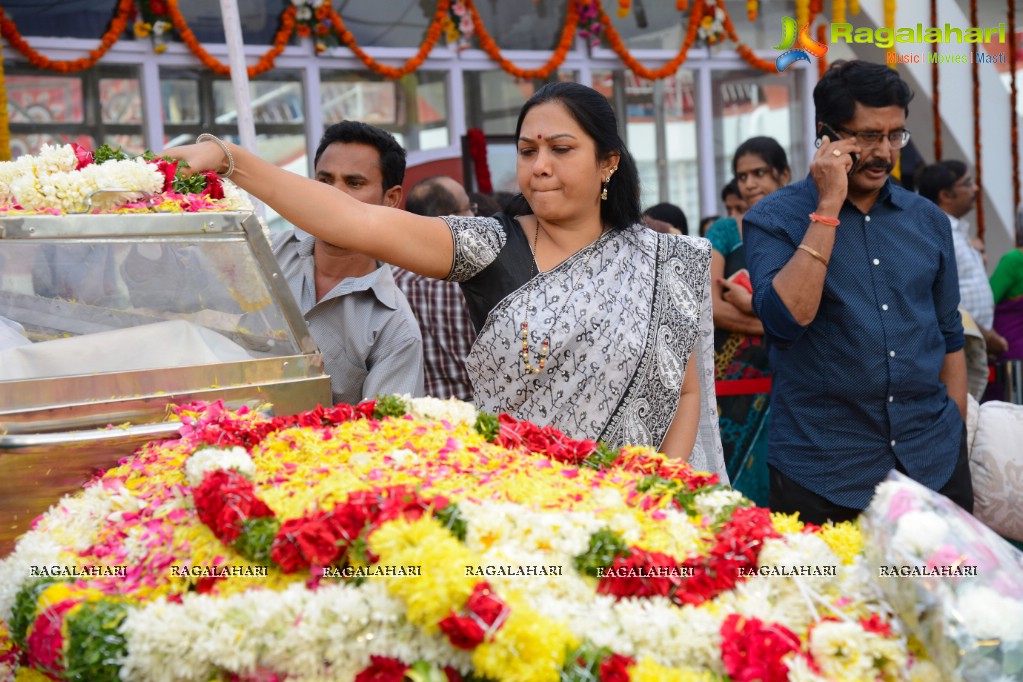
[(83, 157), (877, 625), (158, 7), (224, 500), (615, 668), (45, 643), (755, 652), (486, 605), (168, 169), (214, 185), (304, 542), (464, 632), (383, 669)]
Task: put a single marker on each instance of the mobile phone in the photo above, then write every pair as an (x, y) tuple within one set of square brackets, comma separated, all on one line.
[(741, 278), (832, 135)]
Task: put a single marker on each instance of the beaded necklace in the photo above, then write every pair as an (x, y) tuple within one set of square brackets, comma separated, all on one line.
[(545, 346)]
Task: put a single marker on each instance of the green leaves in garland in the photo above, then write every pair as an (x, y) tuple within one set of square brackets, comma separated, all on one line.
[(96, 647), (24, 612), (487, 425), (605, 547)]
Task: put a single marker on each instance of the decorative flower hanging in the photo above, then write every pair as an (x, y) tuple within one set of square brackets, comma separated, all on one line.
[(312, 20), (154, 22), (712, 26), (590, 27), (458, 26)]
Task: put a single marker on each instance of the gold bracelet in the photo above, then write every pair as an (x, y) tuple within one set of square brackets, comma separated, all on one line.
[(813, 252), (207, 137)]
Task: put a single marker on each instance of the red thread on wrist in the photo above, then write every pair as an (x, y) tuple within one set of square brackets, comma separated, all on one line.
[(824, 220)]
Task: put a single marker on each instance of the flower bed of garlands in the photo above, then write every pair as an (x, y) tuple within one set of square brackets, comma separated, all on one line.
[(72, 179), (420, 540)]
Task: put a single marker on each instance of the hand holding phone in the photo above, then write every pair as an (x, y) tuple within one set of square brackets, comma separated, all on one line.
[(741, 278), (833, 136)]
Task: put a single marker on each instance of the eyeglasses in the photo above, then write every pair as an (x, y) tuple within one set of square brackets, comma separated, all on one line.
[(870, 138)]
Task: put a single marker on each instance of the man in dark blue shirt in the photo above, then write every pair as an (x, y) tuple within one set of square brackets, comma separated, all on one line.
[(855, 282)]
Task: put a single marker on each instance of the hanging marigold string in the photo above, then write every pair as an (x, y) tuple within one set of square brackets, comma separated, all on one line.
[(125, 8), (432, 35), (489, 45), (935, 91), (748, 55), (1013, 95), (977, 171), (752, 6), (265, 63), (889, 22), (5, 121), (838, 11), (802, 13), (822, 61), (616, 43)]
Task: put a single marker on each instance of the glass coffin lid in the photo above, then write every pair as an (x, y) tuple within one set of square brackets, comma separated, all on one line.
[(110, 319)]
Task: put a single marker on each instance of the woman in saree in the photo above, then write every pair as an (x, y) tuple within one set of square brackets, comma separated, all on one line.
[(586, 320), (1007, 287), (760, 166)]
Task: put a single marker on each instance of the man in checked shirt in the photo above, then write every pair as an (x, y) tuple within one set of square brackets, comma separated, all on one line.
[(438, 305)]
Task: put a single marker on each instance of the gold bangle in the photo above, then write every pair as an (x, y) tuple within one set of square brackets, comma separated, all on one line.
[(815, 253), (207, 137)]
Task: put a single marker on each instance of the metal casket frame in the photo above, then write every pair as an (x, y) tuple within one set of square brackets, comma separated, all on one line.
[(56, 432)]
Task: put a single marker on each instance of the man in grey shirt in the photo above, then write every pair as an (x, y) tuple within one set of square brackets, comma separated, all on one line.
[(361, 321)]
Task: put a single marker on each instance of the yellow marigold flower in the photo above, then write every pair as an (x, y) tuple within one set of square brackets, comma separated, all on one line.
[(786, 523), (160, 49), (143, 29), (443, 585), (30, 675), (527, 648), (844, 539), (54, 594), (648, 670)]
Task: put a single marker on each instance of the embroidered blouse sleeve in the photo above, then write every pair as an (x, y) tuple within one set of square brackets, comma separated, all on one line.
[(477, 243)]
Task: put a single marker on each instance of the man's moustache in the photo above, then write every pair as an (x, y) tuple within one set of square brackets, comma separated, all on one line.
[(878, 165)]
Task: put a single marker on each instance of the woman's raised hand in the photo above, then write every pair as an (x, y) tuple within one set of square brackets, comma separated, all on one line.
[(200, 157)]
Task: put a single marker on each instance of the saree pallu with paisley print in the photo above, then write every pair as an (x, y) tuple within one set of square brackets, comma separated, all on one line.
[(622, 317)]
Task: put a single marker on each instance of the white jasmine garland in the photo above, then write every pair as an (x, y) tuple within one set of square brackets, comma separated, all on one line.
[(452, 410), (34, 548), (210, 459), (710, 505), (842, 650), (235, 199), (328, 634)]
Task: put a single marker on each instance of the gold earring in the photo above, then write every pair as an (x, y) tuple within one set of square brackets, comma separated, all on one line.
[(603, 193)]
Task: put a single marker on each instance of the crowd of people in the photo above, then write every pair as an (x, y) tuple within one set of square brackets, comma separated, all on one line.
[(568, 305)]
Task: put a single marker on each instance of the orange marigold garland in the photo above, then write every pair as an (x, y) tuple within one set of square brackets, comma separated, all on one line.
[(618, 45), (5, 121), (822, 61), (265, 63), (432, 35), (623, 8), (752, 7), (748, 55), (125, 9), (838, 11), (488, 45)]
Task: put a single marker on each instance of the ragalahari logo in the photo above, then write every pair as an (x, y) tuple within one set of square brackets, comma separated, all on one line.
[(807, 45)]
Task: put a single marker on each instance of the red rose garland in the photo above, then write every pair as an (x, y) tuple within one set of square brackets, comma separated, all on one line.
[(755, 652), (478, 152)]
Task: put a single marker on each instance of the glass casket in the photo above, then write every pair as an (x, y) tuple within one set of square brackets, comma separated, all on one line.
[(108, 320)]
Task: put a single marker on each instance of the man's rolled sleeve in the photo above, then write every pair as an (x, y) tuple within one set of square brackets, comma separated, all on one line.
[(768, 250)]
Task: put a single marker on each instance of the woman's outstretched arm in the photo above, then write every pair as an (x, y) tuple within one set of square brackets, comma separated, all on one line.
[(420, 244)]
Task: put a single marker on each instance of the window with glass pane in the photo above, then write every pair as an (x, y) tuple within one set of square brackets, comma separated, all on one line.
[(751, 103), (413, 109), (659, 122), (493, 98), (100, 105)]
